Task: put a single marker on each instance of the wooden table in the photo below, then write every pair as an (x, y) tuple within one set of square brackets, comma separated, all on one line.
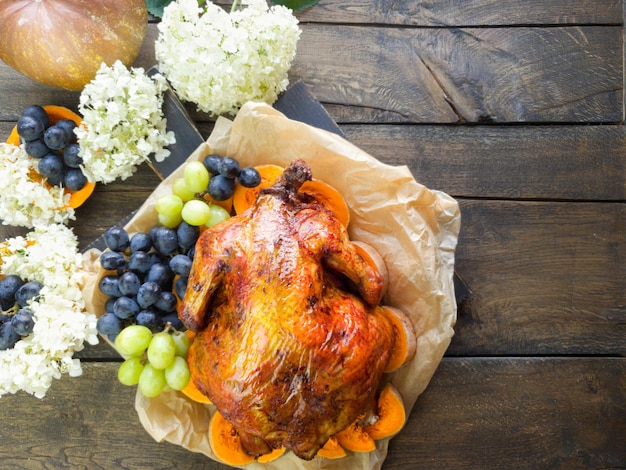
[(515, 108)]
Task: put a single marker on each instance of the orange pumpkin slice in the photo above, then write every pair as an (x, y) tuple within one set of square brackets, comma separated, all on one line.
[(273, 455), (57, 113), (329, 197), (405, 340), (225, 442), (244, 197), (190, 390), (391, 414), (332, 449), (373, 258), (355, 438), (78, 198)]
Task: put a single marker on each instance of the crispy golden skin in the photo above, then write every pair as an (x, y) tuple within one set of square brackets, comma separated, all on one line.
[(289, 347)]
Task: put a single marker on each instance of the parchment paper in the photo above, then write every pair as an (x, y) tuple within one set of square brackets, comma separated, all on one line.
[(415, 230)]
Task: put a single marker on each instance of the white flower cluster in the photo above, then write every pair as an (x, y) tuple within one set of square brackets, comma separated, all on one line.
[(221, 60), (123, 122), (25, 198), (50, 256)]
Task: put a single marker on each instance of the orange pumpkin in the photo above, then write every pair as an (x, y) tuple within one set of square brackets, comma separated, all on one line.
[(390, 416), (226, 443), (332, 450), (62, 43), (354, 438)]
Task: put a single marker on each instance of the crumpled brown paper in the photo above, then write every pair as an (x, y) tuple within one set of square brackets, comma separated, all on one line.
[(414, 229)]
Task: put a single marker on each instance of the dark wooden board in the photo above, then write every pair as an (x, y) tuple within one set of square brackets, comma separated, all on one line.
[(453, 75), (505, 162), (577, 163), (515, 413), (546, 278), (464, 13), (546, 413), (441, 75), (542, 243)]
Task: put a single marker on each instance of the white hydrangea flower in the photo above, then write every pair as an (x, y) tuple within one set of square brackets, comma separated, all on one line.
[(26, 200), (123, 122), (221, 60), (48, 255)]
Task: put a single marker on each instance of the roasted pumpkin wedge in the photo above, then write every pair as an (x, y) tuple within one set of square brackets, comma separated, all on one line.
[(390, 414), (226, 443), (332, 449), (405, 341)]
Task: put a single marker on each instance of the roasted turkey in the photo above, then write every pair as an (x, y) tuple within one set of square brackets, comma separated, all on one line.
[(289, 347)]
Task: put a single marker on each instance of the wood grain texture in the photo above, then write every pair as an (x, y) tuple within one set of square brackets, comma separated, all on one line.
[(516, 108), (111, 203), (505, 162), (546, 278), (515, 413), (464, 13), (455, 75), (584, 163), (87, 423), (433, 75), (546, 413)]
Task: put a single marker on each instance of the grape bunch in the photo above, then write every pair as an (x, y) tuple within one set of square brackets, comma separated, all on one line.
[(16, 318), (146, 274), (155, 362), (196, 195), (54, 146)]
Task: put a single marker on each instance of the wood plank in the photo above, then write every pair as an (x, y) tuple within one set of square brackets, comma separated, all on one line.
[(545, 413), (424, 75), (111, 203), (546, 278), (526, 162), (99, 352), (19, 91), (503, 162), (87, 422), (464, 13), (517, 413)]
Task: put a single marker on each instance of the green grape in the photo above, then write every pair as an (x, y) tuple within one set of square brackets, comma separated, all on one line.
[(217, 214), (170, 221), (130, 371), (151, 381), (177, 374), (169, 205), (162, 350), (196, 177), (179, 188), (182, 343), (196, 212), (133, 340)]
